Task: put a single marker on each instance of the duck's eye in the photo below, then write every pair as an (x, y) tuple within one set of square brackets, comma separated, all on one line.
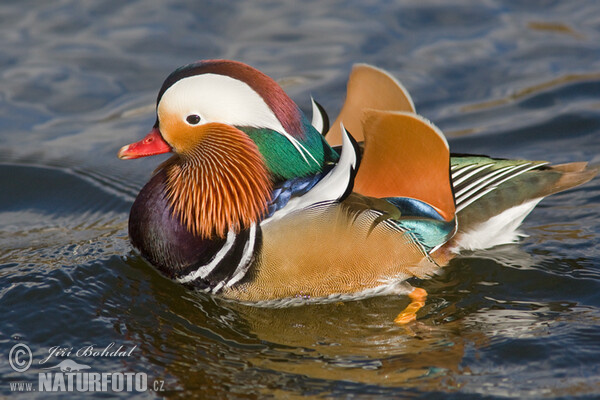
[(193, 119)]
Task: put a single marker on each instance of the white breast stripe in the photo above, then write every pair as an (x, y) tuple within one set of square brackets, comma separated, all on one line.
[(244, 264), (204, 270)]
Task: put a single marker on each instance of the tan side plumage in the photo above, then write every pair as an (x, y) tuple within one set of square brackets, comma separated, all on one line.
[(327, 252)]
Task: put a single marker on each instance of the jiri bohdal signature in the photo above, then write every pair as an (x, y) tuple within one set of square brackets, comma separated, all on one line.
[(89, 351)]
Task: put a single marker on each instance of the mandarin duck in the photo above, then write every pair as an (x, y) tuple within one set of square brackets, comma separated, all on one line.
[(259, 206)]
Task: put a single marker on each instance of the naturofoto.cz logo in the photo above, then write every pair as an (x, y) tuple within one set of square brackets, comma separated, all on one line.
[(69, 375)]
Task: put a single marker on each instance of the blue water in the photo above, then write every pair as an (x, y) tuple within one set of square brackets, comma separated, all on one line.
[(505, 78)]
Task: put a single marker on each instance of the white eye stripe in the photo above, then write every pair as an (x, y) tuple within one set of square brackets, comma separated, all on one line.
[(221, 99)]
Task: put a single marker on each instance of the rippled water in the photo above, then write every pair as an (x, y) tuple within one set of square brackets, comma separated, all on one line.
[(511, 79)]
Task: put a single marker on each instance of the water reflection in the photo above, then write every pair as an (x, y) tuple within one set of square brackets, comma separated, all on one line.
[(357, 341), (201, 339), (197, 338)]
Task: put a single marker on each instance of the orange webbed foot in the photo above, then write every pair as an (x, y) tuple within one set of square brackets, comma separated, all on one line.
[(418, 297)]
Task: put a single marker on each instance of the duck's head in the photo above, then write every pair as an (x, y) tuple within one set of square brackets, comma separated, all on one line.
[(238, 131), (216, 91)]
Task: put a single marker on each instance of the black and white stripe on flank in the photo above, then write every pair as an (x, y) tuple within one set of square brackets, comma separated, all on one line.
[(245, 261), (230, 264), (471, 184)]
